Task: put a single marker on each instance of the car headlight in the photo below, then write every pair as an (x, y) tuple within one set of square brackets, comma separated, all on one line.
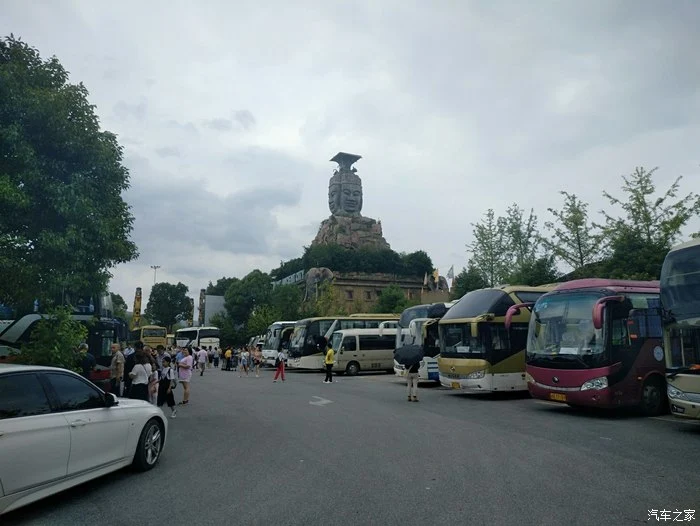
[(476, 375), (596, 383), (676, 393)]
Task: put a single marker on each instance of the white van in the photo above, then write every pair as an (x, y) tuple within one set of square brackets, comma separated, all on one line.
[(363, 350)]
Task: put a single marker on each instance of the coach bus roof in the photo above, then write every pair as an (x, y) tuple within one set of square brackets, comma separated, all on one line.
[(617, 285)]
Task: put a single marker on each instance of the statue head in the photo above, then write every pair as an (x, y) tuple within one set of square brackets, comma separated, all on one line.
[(351, 198), (334, 191), (345, 187)]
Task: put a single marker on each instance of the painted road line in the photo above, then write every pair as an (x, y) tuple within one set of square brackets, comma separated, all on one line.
[(320, 401)]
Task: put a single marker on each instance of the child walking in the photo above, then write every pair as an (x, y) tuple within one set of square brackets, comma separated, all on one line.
[(165, 387)]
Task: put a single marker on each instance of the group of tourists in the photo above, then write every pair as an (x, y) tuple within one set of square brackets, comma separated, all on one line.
[(143, 373)]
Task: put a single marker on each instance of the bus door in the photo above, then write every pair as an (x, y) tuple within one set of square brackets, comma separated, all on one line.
[(431, 338), (348, 352), (285, 337)]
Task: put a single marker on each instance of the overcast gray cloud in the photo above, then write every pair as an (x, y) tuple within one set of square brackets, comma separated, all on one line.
[(455, 107)]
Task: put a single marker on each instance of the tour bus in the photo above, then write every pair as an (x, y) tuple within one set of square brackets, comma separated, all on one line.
[(680, 299), (276, 338), (303, 350), (477, 352), (151, 335), (363, 350), (598, 343), (198, 337), (103, 331), (418, 325)]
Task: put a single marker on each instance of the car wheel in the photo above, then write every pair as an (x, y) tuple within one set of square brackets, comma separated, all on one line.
[(352, 369), (653, 400), (149, 446)]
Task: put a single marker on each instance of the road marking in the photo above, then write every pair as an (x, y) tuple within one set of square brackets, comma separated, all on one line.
[(320, 401)]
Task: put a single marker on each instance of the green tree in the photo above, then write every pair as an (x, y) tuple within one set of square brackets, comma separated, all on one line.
[(229, 332), (522, 236), (286, 302), (392, 300), (168, 304), (639, 240), (540, 271), (120, 306), (222, 285), (54, 341), (469, 279), (490, 249), (260, 319), (246, 294), (574, 240), (416, 263), (64, 223)]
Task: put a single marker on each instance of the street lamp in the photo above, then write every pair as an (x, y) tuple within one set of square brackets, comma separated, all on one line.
[(155, 272)]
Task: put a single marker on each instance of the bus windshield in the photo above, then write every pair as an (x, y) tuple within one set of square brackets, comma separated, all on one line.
[(186, 335), (208, 333), (562, 325), (456, 341), (154, 332), (479, 302), (680, 284)]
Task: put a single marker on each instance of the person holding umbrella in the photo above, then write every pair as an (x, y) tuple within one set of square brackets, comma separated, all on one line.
[(410, 357), (412, 381)]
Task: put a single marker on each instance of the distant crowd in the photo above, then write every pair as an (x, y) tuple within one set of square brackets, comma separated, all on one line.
[(144, 373)]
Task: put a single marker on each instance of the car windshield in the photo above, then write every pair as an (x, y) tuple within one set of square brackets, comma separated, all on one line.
[(336, 340), (562, 324)]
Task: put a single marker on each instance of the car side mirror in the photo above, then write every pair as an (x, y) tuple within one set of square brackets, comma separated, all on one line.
[(111, 400)]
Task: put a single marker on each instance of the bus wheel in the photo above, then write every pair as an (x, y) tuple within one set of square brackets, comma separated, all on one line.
[(653, 397), (352, 369)]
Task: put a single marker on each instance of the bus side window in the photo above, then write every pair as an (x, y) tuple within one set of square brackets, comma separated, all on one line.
[(349, 343)]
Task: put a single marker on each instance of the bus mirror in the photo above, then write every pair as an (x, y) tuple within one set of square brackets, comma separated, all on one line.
[(514, 310), (598, 309)]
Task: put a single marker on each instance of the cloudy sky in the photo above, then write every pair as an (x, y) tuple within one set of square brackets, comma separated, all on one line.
[(229, 111)]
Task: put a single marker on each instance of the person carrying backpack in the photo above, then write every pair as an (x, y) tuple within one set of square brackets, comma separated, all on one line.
[(166, 384)]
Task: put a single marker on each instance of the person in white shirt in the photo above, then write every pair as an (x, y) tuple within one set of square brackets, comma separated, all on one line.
[(202, 357), (140, 376)]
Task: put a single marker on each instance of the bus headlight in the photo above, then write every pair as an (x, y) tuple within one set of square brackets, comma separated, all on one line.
[(596, 384), (476, 375), (675, 393)]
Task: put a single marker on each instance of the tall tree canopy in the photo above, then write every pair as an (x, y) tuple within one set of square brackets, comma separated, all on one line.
[(168, 304), (64, 223)]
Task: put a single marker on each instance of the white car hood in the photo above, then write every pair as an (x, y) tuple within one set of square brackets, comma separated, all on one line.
[(130, 402)]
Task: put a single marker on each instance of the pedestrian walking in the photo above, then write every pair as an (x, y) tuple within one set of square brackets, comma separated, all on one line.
[(116, 370), (228, 355), (217, 357), (185, 375), (166, 384), (279, 365), (202, 358), (412, 382), (244, 362), (329, 361)]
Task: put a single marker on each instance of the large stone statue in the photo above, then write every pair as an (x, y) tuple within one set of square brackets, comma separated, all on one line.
[(346, 226), (345, 187)]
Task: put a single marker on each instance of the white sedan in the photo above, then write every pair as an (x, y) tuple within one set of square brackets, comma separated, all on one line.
[(58, 430)]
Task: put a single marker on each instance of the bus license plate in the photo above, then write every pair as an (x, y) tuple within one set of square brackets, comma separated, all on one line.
[(456, 385), (557, 397)]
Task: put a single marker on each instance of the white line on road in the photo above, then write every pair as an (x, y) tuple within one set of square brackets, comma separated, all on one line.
[(320, 401)]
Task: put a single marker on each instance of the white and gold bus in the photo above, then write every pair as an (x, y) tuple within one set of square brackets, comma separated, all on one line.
[(477, 352)]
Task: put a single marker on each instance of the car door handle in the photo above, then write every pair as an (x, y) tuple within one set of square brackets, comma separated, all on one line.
[(78, 423)]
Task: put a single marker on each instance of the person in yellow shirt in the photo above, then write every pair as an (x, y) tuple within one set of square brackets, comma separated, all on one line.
[(228, 355), (330, 358)]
